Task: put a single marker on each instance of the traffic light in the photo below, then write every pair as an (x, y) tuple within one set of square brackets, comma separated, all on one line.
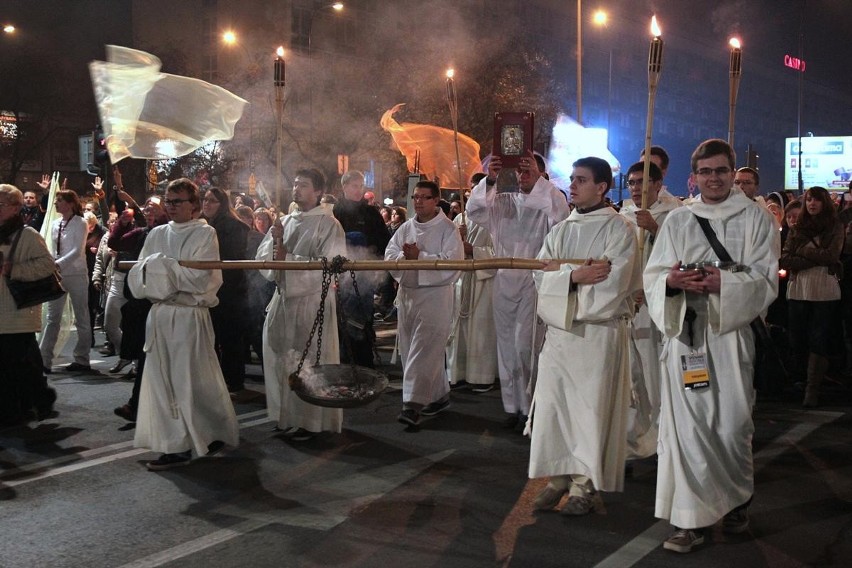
[(99, 150)]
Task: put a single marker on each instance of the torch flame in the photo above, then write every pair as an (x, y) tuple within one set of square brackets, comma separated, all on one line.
[(280, 51), (734, 42), (450, 73), (655, 28)]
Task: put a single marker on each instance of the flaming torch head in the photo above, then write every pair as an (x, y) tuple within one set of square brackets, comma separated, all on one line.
[(736, 57), (655, 55), (451, 88), (279, 67)]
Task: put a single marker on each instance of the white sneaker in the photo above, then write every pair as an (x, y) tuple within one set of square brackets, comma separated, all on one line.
[(682, 540)]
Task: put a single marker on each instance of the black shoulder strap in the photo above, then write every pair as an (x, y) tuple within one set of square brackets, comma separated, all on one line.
[(718, 248)]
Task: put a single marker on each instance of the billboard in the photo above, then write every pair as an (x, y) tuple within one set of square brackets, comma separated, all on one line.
[(826, 161)]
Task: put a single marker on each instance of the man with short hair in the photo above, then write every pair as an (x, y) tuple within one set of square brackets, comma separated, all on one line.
[(579, 418), (518, 223), (184, 404), (367, 237), (748, 180), (705, 463), (31, 212), (309, 233), (425, 300), (645, 338)]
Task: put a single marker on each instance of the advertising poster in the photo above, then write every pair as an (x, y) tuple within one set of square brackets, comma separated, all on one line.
[(826, 161)]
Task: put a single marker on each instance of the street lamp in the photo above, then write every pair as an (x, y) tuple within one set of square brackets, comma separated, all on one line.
[(9, 28)]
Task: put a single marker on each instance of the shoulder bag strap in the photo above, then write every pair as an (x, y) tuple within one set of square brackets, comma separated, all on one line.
[(12, 253), (718, 248)]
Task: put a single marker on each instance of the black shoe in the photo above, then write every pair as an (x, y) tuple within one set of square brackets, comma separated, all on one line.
[(125, 412), (436, 407), (169, 461), (44, 408), (511, 421), (77, 368), (462, 384), (118, 367), (215, 447), (108, 350), (409, 417), (47, 370)]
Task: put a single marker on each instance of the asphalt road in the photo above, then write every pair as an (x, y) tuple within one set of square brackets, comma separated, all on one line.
[(74, 492)]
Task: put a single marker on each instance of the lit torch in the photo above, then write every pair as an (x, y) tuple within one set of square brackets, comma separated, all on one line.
[(736, 73), (453, 103), (278, 82), (655, 67)]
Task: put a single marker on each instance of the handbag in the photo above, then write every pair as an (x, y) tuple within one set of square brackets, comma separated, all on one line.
[(32, 292)]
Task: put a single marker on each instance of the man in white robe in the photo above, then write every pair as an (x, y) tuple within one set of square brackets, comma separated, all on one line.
[(183, 404), (705, 468), (309, 233), (645, 338), (472, 351), (579, 414), (518, 223), (425, 300)]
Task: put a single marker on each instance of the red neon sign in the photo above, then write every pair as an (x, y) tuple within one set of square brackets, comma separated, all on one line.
[(794, 63)]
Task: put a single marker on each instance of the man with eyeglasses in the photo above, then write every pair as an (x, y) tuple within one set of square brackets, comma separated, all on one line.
[(645, 338), (425, 300), (183, 404), (705, 468), (518, 222)]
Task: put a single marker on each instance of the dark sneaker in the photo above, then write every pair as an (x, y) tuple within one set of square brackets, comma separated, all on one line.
[(215, 447), (302, 435), (409, 417), (435, 407), (479, 389), (126, 412), (511, 421), (169, 461), (78, 368), (47, 370), (549, 498), (735, 522), (579, 505), (682, 540)]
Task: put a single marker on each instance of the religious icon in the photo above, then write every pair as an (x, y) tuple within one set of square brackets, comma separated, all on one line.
[(513, 134)]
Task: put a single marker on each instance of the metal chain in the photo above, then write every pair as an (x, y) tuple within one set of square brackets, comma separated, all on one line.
[(320, 317)]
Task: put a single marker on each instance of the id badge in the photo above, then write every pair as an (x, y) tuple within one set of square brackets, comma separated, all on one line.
[(695, 372)]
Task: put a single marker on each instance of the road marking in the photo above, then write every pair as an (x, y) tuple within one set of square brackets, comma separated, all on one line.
[(81, 460), (642, 545), (358, 491)]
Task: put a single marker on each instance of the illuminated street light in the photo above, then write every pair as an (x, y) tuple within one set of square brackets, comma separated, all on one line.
[(600, 18), (9, 29), (229, 37), (338, 6)]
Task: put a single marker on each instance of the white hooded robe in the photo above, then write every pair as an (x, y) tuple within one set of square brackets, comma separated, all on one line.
[(425, 300), (183, 401), (518, 223), (705, 465), (579, 421), (307, 236)]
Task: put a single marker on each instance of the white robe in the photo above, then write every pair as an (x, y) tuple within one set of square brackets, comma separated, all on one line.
[(425, 300), (472, 351), (583, 390), (183, 402), (705, 466), (290, 316), (646, 343), (518, 223)]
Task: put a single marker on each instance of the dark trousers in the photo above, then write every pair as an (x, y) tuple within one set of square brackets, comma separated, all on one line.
[(229, 328), (23, 385)]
